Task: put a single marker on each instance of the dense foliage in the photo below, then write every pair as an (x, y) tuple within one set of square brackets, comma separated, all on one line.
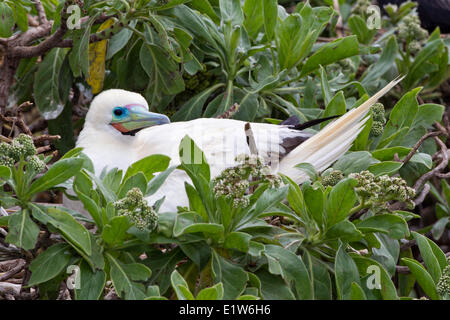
[(373, 226)]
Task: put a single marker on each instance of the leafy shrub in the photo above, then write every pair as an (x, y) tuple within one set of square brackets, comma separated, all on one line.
[(247, 233)]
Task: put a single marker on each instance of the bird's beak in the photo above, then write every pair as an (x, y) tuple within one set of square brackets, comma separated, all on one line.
[(138, 118)]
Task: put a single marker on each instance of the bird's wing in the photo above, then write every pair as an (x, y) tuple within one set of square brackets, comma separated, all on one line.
[(220, 139)]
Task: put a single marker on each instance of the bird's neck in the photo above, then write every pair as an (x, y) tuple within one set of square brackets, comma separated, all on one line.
[(107, 148)]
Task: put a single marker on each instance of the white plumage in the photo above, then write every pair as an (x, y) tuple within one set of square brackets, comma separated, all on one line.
[(220, 139)]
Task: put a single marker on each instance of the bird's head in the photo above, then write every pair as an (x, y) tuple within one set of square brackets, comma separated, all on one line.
[(126, 112)]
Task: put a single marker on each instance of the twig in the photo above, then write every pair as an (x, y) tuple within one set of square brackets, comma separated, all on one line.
[(45, 137), (17, 121), (5, 139), (230, 112), (438, 168), (339, 24), (418, 144), (20, 265), (43, 149), (41, 12), (402, 269), (423, 194)]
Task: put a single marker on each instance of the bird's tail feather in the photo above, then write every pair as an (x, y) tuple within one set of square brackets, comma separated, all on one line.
[(330, 143)]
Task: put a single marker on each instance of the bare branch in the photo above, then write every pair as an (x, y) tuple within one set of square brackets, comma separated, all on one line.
[(43, 149), (419, 183), (423, 194), (45, 137), (419, 143), (229, 113), (17, 121), (20, 265), (41, 11)]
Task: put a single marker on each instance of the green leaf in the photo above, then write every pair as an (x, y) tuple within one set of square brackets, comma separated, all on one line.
[(385, 167), (125, 278), (423, 277), (385, 63), (148, 166), (366, 267), (254, 19), (346, 273), (74, 232), (119, 41), (231, 12), (415, 70), (309, 169), (340, 200), (206, 8), (422, 158), (5, 172), (268, 198), (22, 230), (389, 153), (357, 293), (336, 107), (396, 227), (49, 263), (238, 240), (293, 43), (193, 108), (180, 286), (59, 172), (213, 293), (314, 199), (233, 277), (157, 182), (430, 260), (428, 114), (79, 55), (291, 268), (270, 14), (137, 180), (115, 232), (359, 27), (330, 53), (402, 115), (273, 287), (20, 15), (344, 230), (6, 20), (354, 162), (92, 283), (439, 227), (47, 84), (162, 71)]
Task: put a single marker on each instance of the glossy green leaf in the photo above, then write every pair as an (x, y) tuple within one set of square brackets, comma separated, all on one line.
[(59, 172), (340, 200), (423, 277), (22, 230), (126, 277), (92, 283), (49, 263), (346, 273)]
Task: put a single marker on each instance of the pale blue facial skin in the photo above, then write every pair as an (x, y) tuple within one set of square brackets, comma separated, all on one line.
[(134, 117)]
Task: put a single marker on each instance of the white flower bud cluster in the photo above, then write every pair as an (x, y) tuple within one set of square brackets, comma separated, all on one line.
[(21, 147), (136, 208), (411, 33), (443, 285), (383, 189), (234, 182), (360, 7)]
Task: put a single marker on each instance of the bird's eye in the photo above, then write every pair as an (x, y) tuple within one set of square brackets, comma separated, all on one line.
[(118, 112)]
